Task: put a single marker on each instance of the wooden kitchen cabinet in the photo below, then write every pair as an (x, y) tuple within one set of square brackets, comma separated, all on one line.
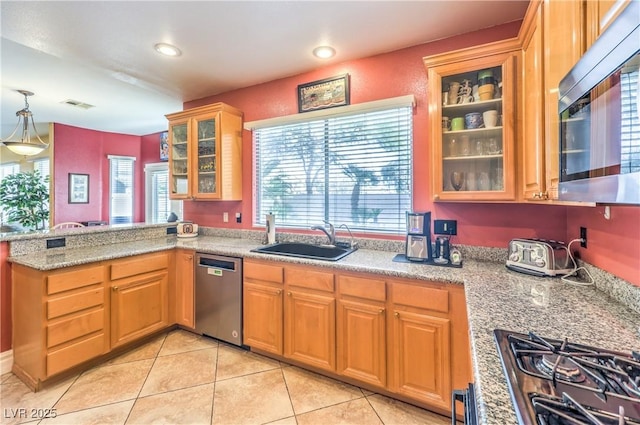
[(310, 317), (420, 343), (598, 15), (406, 337), (185, 288), (139, 297), (205, 153), (473, 164), (361, 329), (532, 142), (60, 320), (263, 312)]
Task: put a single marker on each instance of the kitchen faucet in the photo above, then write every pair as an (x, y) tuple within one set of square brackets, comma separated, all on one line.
[(331, 233)]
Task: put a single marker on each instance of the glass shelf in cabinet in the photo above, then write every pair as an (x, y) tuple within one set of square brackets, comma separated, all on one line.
[(204, 173), (207, 139), (497, 129), (471, 157), (472, 106)]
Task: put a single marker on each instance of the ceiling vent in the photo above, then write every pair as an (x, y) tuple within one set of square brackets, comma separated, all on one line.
[(77, 104)]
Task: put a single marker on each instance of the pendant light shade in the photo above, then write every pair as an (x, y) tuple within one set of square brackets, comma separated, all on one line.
[(25, 146)]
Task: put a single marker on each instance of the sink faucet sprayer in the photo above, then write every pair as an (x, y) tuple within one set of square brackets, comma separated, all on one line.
[(331, 233)]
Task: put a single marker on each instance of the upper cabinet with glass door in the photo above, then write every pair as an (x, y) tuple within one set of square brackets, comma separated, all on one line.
[(205, 153), (471, 120)]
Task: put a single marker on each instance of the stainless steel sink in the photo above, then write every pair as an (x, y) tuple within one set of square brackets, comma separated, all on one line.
[(303, 250)]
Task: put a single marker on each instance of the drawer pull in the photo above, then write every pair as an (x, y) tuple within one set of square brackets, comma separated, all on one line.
[(278, 292), (381, 310), (114, 289), (396, 314), (289, 293)]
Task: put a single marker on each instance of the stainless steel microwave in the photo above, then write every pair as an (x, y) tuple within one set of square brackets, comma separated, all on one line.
[(599, 107)]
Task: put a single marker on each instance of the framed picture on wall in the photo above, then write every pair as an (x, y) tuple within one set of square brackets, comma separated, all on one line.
[(322, 94), (78, 188), (164, 146)]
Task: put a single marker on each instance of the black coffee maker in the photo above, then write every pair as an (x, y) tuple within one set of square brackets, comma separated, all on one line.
[(418, 247)]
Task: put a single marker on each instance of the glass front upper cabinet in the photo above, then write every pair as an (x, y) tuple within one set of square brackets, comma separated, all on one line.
[(205, 153), (179, 159), (471, 117)]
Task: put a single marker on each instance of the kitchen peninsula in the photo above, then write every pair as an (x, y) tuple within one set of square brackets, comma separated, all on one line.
[(495, 297)]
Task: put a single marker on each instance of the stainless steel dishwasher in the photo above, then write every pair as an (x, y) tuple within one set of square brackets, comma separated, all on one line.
[(219, 297)]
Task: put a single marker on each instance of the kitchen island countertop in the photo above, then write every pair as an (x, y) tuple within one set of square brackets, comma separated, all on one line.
[(496, 298)]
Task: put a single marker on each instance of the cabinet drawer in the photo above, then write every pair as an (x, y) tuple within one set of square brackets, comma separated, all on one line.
[(75, 327), (421, 297), (362, 287), (265, 272), (60, 306), (78, 278), (74, 354), (312, 279), (139, 265)]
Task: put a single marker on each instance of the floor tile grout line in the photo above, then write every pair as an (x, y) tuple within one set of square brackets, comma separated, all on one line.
[(366, 397), (155, 358), (286, 385)]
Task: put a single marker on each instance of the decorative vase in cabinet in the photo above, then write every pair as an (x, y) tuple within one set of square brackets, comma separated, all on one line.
[(471, 119)]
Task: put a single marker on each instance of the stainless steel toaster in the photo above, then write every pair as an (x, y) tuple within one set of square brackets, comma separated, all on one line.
[(539, 257)]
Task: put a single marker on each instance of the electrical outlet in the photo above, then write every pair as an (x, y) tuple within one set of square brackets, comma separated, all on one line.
[(225, 217), (56, 243), (238, 217), (583, 237), (445, 227)]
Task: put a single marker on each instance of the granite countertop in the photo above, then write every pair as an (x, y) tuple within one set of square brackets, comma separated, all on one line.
[(496, 298)]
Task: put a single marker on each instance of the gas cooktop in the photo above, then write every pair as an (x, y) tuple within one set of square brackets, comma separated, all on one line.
[(559, 382)]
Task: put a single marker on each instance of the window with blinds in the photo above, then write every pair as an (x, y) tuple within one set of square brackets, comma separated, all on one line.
[(630, 131), (158, 204), (42, 165), (353, 169), (121, 189)]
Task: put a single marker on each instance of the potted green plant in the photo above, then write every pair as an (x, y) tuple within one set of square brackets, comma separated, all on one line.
[(24, 197)]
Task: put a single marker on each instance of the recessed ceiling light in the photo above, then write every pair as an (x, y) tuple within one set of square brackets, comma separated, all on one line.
[(167, 49), (324, 52)]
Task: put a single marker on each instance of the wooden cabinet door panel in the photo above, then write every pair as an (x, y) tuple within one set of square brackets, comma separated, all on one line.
[(185, 291), (421, 365), (361, 344), (310, 331), (138, 306), (263, 317)]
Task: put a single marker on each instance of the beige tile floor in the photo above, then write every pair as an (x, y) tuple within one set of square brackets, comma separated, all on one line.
[(182, 378)]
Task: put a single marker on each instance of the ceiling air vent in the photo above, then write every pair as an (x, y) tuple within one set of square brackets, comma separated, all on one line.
[(77, 104)]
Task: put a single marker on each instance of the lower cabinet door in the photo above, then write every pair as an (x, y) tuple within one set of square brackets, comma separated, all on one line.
[(421, 364), (310, 329), (262, 317), (185, 287), (139, 306), (361, 344)]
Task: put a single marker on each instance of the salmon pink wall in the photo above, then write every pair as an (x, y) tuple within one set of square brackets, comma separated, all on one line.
[(399, 73), (79, 150)]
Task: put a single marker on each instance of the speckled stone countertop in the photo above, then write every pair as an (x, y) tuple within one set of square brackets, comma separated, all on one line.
[(496, 298)]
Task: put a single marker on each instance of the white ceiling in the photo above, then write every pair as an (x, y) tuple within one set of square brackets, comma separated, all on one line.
[(101, 52)]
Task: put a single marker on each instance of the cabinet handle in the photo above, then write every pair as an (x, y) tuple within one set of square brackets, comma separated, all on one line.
[(381, 310), (278, 292), (396, 314), (114, 288), (289, 293), (190, 257)]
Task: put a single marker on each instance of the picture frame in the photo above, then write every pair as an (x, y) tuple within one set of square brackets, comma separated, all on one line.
[(78, 188), (164, 146), (322, 94)]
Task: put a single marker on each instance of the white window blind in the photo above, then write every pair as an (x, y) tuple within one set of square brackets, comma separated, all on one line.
[(158, 204), (630, 128), (121, 189), (9, 169), (42, 165), (353, 169)]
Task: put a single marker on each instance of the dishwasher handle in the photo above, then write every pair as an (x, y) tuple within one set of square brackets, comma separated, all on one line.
[(216, 263)]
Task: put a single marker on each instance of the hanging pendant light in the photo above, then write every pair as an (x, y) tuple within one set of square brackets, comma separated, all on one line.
[(25, 146)]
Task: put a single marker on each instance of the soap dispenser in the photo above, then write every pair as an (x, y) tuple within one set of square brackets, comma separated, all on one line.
[(271, 228)]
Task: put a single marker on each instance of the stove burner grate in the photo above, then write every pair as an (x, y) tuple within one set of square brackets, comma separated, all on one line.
[(551, 410), (562, 367)]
